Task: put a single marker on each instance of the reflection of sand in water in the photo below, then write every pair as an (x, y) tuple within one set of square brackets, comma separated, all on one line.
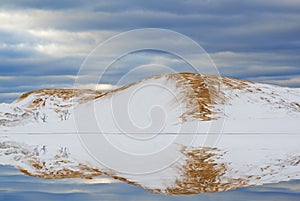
[(81, 171), (201, 173), (58, 167)]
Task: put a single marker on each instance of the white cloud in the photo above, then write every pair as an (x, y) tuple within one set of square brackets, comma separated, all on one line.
[(59, 43), (98, 181), (9, 96), (40, 26), (98, 87), (295, 81), (6, 78)]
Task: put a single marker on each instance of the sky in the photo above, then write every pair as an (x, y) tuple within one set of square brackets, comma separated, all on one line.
[(44, 43)]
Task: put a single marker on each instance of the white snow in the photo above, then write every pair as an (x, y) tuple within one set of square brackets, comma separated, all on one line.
[(133, 133)]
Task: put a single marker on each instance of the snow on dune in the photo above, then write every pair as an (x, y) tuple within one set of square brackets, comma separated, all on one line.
[(177, 134)]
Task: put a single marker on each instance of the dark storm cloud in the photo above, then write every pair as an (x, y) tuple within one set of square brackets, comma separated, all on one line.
[(180, 7), (244, 25), (245, 31), (45, 4), (251, 39)]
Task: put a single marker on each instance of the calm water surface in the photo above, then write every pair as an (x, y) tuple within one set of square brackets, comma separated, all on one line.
[(15, 186)]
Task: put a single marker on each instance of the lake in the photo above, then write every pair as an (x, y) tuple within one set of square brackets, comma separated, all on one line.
[(16, 186)]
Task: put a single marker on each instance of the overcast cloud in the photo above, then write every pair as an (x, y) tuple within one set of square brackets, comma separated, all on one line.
[(43, 43)]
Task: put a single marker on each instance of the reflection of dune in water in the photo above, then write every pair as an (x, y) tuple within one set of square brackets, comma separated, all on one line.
[(201, 173), (202, 170)]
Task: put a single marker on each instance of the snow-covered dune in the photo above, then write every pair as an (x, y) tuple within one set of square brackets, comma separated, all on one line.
[(177, 133)]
